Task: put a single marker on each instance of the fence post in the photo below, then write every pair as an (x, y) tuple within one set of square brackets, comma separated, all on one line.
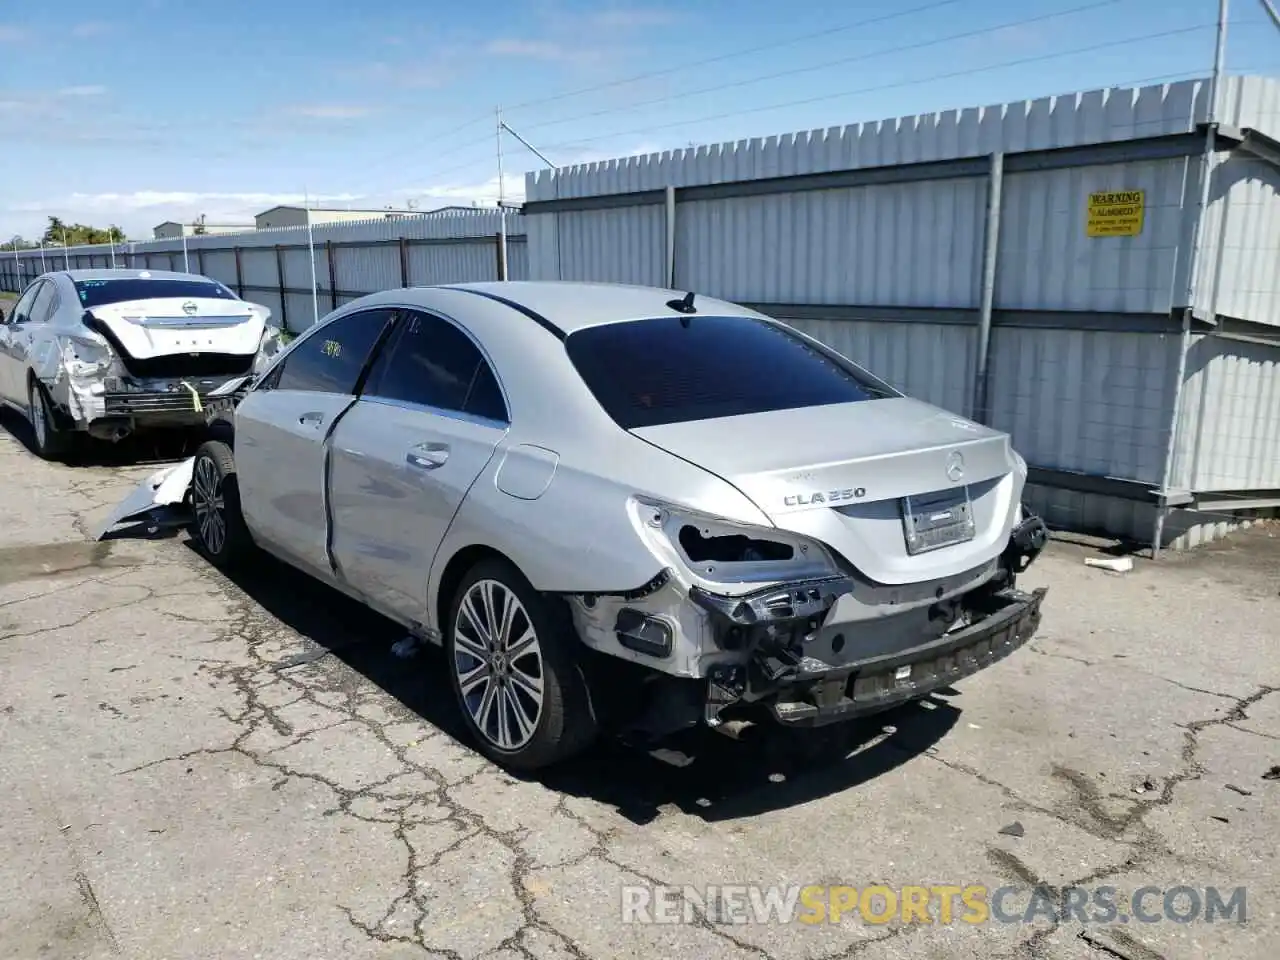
[(404, 262), (501, 262), (669, 281), (991, 244), (284, 307), (239, 274), (333, 275)]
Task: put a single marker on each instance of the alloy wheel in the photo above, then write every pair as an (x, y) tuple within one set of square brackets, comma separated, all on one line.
[(498, 664), (209, 505)]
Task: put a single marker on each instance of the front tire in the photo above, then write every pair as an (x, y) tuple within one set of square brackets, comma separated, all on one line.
[(514, 666), (217, 525)]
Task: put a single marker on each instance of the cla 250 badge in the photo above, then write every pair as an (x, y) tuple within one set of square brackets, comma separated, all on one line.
[(825, 496)]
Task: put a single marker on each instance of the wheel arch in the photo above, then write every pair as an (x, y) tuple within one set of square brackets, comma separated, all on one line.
[(451, 578)]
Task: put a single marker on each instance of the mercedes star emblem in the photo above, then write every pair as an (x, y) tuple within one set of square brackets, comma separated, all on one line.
[(190, 308), (955, 465)]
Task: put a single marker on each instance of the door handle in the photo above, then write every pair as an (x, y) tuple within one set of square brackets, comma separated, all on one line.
[(428, 456), (313, 419)]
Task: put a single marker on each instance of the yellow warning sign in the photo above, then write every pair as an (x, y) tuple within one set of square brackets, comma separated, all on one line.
[(1116, 213)]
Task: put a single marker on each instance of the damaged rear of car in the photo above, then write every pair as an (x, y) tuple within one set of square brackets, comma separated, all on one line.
[(110, 352), (885, 562)]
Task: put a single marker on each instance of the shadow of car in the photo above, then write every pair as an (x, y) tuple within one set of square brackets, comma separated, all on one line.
[(157, 447), (716, 777)]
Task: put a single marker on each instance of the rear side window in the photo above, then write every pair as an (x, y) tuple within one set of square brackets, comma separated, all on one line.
[(97, 293), (330, 360), (43, 305), (675, 369), (433, 363)]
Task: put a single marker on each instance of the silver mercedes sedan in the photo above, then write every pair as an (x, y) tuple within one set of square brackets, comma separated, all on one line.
[(622, 508)]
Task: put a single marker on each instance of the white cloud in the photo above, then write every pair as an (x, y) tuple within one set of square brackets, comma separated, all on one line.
[(409, 76), (87, 90), (632, 18), (332, 111), (138, 211), (548, 50), (91, 28)]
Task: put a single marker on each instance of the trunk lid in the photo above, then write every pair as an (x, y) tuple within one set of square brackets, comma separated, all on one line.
[(840, 473), (169, 325)]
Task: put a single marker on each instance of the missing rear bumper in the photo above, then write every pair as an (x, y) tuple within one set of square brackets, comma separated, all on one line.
[(811, 693)]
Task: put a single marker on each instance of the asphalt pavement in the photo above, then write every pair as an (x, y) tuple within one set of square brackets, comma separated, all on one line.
[(198, 767)]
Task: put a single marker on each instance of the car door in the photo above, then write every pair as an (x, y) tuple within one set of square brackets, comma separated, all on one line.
[(34, 308), (7, 353), (428, 421), (281, 432)]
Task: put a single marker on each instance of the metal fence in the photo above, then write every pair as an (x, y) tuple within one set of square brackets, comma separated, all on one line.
[(274, 267), (968, 257)]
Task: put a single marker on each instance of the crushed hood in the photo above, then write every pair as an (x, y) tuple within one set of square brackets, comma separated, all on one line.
[(838, 474), (163, 326)]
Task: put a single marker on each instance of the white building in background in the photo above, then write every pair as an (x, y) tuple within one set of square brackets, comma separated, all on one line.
[(291, 216), (171, 229)]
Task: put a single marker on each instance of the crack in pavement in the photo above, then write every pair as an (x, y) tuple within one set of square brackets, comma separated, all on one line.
[(258, 676)]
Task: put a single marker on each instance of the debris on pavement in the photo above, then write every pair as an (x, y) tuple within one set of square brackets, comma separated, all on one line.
[(1214, 816), (1114, 564), (405, 648), (1273, 773), (1240, 790), (1146, 786), (1014, 829)]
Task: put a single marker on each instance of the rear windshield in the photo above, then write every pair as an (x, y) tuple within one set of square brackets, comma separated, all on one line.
[(95, 293), (674, 369)]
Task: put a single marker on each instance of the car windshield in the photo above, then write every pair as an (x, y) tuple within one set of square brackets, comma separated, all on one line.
[(675, 369), (95, 293)]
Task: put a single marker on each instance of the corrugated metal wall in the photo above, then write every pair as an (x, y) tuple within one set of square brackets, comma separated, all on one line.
[(446, 248), (1086, 379), (1229, 428)]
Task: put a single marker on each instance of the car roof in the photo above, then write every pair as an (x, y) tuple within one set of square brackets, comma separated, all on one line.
[(107, 274), (571, 306)]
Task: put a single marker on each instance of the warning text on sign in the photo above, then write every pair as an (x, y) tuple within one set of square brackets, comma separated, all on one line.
[(1116, 213)]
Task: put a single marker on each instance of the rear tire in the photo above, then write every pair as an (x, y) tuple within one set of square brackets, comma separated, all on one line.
[(49, 442), (217, 525), (514, 665)]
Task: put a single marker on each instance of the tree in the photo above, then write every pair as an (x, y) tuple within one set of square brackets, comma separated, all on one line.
[(78, 234)]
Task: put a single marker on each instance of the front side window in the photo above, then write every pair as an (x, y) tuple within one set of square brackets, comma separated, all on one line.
[(433, 363), (97, 293), (22, 309), (675, 369), (331, 359)]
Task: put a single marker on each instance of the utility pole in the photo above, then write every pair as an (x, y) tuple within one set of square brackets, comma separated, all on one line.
[(311, 252), (111, 239), (502, 209), (66, 257), (44, 265), (186, 261)]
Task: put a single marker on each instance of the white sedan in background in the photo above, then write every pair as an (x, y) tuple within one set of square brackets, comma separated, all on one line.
[(109, 352)]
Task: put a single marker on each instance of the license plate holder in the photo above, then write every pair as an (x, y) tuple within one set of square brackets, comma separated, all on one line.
[(931, 521)]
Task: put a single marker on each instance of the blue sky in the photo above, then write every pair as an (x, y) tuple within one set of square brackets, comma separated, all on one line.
[(150, 110)]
